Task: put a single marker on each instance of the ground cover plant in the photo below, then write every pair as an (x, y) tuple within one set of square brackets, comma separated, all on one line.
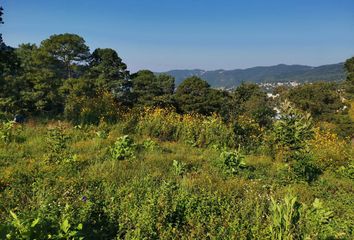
[(66, 181)]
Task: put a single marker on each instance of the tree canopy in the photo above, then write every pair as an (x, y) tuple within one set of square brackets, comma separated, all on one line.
[(195, 95), (249, 100), (152, 90), (1, 22), (349, 66), (60, 77), (68, 50)]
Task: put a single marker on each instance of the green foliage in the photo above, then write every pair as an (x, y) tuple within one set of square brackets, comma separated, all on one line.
[(151, 90), (233, 161), (7, 131), (179, 168), (193, 129), (156, 197), (316, 220), (320, 99), (293, 220), (109, 73), (304, 167), (22, 229), (10, 86), (347, 171), (292, 130), (39, 80), (284, 218), (349, 66), (326, 103), (92, 110), (123, 148), (67, 231), (290, 140), (150, 145), (57, 145), (248, 133), (248, 100), (194, 95), (68, 50), (33, 229)]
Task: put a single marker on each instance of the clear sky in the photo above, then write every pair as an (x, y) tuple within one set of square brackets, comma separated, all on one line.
[(186, 34)]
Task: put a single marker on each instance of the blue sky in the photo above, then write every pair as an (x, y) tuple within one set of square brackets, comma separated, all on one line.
[(186, 34)]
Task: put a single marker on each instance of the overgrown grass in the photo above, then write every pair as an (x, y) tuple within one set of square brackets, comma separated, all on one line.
[(171, 189)]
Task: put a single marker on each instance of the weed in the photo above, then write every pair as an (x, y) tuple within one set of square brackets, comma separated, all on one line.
[(123, 148)]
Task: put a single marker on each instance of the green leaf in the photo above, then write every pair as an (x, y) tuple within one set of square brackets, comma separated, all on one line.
[(65, 226), (79, 227), (14, 215), (317, 204), (35, 222)]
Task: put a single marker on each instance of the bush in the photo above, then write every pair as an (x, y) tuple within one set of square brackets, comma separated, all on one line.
[(248, 134), (159, 123), (292, 131), (7, 131), (329, 151), (57, 145), (193, 129), (290, 219), (123, 148), (232, 161), (304, 167), (92, 110), (178, 167)]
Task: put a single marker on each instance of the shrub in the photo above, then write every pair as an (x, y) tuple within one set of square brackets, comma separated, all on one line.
[(330, 152), (247, 133), (9, 132), (159, 123), (6, 131), (92, 110), (193, 129), (284, 218), (210, 131), (292, 131), (123, 148), (347, 171), (178, 167), (315, 221), (57, 145), (290, 219), (150, 145), (304, 167), (232, 161)]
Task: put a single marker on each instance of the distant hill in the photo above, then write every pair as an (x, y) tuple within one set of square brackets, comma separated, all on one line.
[(278, 73)]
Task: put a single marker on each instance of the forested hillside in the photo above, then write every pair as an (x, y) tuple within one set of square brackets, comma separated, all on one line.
[(271, 74)]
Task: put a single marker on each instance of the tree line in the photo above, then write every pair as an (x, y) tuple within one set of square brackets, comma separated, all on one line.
[(48, 78), (61, 78)]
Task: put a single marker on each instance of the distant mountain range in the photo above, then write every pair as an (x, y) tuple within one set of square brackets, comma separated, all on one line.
[(271, 74)]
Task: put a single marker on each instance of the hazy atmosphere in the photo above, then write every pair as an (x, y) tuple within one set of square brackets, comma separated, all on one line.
[(206, 34)]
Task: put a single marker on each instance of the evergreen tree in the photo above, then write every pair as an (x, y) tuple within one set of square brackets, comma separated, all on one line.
[(195, 95), (109, 73), (349, 66), (68, 51), (249, 100), (1, 22), (152, 90)]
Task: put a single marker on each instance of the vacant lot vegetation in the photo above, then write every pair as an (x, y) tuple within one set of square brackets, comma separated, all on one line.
[(135, 157), (160, 175)]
